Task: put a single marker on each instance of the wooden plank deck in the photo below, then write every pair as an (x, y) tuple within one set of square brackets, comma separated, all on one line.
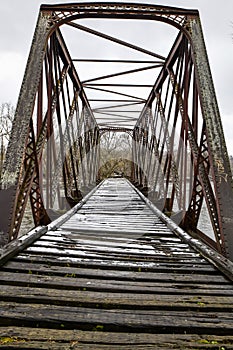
[(112, 275)]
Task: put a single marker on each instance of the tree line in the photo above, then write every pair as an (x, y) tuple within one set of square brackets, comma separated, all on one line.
[(115, 147), (115, 152)]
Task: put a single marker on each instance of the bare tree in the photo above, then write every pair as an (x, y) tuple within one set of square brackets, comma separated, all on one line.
[(6, 117), (7, 112), (115, 154)]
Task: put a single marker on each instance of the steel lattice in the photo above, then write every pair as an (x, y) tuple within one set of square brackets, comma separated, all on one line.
[(179, 157)]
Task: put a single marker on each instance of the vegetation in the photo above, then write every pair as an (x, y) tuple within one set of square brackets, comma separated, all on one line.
[(7, 112), (115, 155)]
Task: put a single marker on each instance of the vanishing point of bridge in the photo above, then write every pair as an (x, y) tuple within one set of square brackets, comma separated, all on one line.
[(119, 257)]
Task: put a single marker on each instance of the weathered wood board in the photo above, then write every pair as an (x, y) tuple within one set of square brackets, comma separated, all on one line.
[(113, 276)]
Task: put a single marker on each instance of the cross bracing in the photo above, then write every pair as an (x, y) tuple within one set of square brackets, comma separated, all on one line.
[(99, 67)]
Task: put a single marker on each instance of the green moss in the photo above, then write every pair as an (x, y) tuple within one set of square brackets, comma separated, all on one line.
[(8, 340), (72, 275), (206, 341), (98, 328), (200, 303)]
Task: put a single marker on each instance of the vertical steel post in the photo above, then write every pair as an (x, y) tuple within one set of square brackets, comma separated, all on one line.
[(220, 165)]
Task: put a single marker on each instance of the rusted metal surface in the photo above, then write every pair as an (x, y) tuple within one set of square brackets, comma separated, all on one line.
[(220, 166), (53, 152), (114, 271), (183, 170), (179, 156)]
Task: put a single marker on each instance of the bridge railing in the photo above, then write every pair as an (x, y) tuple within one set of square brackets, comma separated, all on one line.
[(174, 153), (60, 160)]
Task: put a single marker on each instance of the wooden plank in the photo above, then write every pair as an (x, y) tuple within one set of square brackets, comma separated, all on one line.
[(67, 236), (115, 285), (193, 277), (77, 339), (108, 300), (110, 255), (119, 275), (158, 266), (144, 243), (158, 253), (114, 319)]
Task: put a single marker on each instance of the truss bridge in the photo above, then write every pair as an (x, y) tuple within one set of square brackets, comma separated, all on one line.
[(117, 153)]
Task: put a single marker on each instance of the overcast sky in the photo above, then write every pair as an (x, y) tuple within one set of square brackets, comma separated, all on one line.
[(18, 19)]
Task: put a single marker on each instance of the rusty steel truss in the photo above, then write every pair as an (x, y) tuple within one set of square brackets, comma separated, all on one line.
[(179, 156)]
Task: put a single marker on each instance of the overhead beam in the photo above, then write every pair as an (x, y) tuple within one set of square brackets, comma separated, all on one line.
[(115, 40)]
